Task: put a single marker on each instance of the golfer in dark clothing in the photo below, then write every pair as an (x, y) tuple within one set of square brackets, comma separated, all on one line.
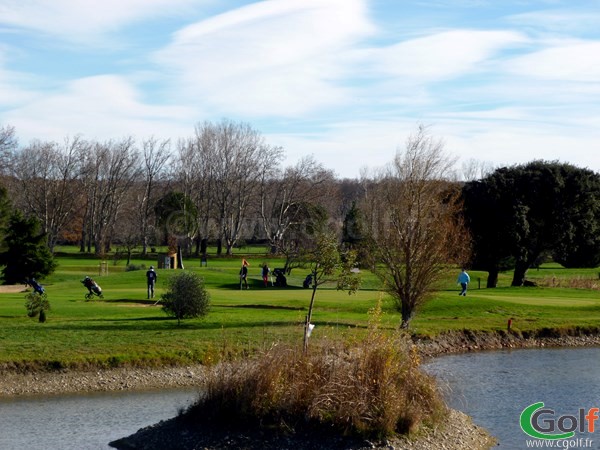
[(151, 278)]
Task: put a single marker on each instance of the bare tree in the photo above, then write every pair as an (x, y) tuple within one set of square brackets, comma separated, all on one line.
[(414, 221), (8, 144), (194, 176), (109, 171), (473, 169), (155, 157), (282, 196), (239, 159), (46, 175)]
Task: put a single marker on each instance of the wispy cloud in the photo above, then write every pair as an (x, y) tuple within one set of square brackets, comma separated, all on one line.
[(443, 55), (270, 58), (102, 107), (88, 20), (567, 61), (571, 21)]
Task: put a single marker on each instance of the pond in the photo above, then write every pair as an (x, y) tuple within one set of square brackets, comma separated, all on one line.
[(496, 387), (84, 422)]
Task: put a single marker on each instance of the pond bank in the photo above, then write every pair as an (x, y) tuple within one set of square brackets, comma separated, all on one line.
[(15, 383), (468, 341)]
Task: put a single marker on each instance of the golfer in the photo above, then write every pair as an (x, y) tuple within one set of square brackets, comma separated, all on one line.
[(151, 280), (463, 280)]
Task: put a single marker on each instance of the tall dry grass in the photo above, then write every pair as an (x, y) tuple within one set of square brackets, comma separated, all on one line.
[(370, 388), (571, 282)]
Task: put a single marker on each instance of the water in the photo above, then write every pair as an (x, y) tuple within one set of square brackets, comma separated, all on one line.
[(495, 387), (84, 422)]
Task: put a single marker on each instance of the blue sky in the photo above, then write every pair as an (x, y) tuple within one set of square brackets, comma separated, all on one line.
[(500, 82)]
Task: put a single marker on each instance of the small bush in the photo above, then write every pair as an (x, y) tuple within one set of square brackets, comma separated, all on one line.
[(186, 296), (132, 267), (37, 305)]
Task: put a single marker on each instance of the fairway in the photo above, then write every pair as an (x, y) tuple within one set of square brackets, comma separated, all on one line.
[(126, 328), (545, 300)]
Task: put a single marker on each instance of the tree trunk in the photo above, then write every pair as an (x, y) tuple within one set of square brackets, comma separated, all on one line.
[(407, 314), (492, 279), (197, 241), (310, 309), (519, 273)]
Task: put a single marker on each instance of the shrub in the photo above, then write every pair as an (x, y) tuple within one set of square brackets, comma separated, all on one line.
[(186, 296), (373, 389), (133, 267), (37, 305)]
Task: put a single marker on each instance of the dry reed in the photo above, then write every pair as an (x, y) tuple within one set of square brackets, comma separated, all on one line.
[(371, 388)]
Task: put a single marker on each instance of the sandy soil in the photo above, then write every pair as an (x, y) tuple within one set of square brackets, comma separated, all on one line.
[(12, 288)]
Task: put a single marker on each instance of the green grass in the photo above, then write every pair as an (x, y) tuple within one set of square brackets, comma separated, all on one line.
[(126, 328)]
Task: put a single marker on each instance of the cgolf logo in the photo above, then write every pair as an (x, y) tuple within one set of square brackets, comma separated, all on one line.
[(542, 423)]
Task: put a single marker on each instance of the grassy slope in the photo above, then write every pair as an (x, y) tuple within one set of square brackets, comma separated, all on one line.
[(127, 328)]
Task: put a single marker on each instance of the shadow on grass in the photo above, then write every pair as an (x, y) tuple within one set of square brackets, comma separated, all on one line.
[(258, 285), (134, 301), (161, 324), (288, 308)]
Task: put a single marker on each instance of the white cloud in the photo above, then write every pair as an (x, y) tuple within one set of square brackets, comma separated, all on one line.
[(102, 107), (347, 147), (443, 55), (10, 92), (74, 20), (570, 21), (572, 61), (270, 58), (508, 144)]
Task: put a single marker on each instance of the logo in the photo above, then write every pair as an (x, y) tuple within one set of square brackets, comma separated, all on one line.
[(542, 423)]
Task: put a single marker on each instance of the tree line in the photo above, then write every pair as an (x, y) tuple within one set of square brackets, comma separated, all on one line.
[(208, 187), (408, 221)]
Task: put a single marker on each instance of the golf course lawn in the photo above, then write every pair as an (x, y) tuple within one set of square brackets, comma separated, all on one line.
[(125, 328)]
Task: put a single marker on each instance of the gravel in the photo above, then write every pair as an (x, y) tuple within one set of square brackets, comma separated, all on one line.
[(13, 384)]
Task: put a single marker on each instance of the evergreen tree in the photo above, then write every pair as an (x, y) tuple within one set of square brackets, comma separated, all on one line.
[(25, 254), (519, 213)]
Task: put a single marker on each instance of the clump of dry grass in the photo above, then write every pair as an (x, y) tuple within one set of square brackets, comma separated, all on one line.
[(571, 282), (372, 388)]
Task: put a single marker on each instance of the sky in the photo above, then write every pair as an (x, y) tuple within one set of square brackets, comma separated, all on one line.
[(347, 81)]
